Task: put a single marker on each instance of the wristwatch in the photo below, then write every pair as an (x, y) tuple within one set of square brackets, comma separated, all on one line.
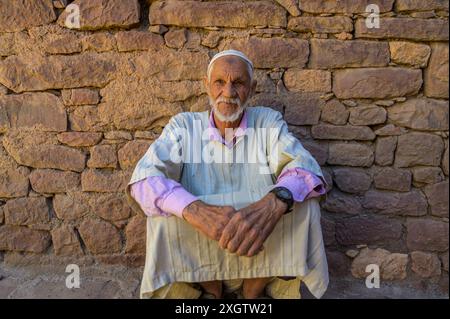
[(285, 195)]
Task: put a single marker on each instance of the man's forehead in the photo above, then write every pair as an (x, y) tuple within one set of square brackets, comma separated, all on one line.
[(226, 64)]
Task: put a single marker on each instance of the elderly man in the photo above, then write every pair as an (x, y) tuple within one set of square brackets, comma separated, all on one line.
[(231, 199)]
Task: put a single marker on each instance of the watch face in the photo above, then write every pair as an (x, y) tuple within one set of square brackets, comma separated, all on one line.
[(284, 193)]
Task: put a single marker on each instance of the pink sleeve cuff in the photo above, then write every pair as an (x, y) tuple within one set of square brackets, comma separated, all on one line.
[(176, 200), (302, 184)]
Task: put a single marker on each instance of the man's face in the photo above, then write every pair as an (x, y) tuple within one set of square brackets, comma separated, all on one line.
[(230, 86)]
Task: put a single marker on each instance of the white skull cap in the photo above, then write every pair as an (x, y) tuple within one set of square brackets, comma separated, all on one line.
[(229, 52)]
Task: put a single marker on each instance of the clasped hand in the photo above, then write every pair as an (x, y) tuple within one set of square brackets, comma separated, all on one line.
[(242, 231)]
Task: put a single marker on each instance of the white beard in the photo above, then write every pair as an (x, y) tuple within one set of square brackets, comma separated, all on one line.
[(227, 118)]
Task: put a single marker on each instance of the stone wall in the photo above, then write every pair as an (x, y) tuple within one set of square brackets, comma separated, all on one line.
[(79, 107)]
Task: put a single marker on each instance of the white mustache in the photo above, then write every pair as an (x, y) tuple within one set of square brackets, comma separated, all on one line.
[(222, 99)]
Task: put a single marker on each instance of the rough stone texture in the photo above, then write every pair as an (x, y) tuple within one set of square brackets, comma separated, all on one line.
[(273, 52), (411, 203), (218, 14), (103, 156), (339, 54), (347, 132), (40, 111), (345, 6), (79, 138), (321, 24), (53, 181), (437, 195), (334, 112), (352, 180), (445, 161), (426, 175), (14, 182), (418, 149), (65, 241), (100, 237), (130, 154), (367, 230), (425, 264), (421, 114), (70, 207), (291, 6), (338, 202), (19, 238), (99, 14), (136, 235), (300, 108), (111, 207), (384, 150), (392, 266), (37, 151), (367, 115), (427, 235), (138, 40), (95, 180), (393, 179), (421, 5), (297, 80), (21, 15), (405, 28), (56, 72), (377, 83), (80, 97), (26, 211), (409, 53), (350, 154), (436, 75)]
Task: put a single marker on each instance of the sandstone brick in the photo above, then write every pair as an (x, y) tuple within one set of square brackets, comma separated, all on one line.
[(212, 39), (176, 38), (218, 14), (138, 40), (350, 154), (79, 138), (352, 180), (100, 237), (384, 150), (390, 130), (96, 180), (445, 161), (409, 53), (103, 156), (53, 181), (338, 263), (338, 202), (405, 28), (27, 211), (347, 132), (377, 83), (264, 82), (392, 266), (329, 53), (367, 115), (80, 97), (41, 111), (67, 43), (425, 264), (418, 149), (420, 114), (20, 238), (38, 151), (421, 5), (65, 241), (7, 44), (20, 74), (85, 118), (291, 6), (427, 235), (346, 6), (318, 150), (300, 108), (334, 112), (21, 15), (367, 230), (411, 203), (335, 24), (426, 175), (436, 75), (98, 14), (437, 195), (2, 215), (70, 207), (393, 179), (267, 53), (298, 80), (112, 207), (99, 42), (444, 259), (136, 235), (132, 152), (14, 182), (118, 135)]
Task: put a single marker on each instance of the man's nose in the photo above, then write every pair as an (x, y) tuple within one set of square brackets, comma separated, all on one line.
[(229, 90)]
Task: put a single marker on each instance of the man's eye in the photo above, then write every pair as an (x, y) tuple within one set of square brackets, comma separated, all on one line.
[(221, 82)]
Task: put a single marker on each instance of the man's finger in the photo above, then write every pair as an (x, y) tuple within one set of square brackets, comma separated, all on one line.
[(261, 239), (228, 233), (248, 242)]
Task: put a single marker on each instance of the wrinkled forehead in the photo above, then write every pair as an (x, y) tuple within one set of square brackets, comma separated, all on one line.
[(232, 65)]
